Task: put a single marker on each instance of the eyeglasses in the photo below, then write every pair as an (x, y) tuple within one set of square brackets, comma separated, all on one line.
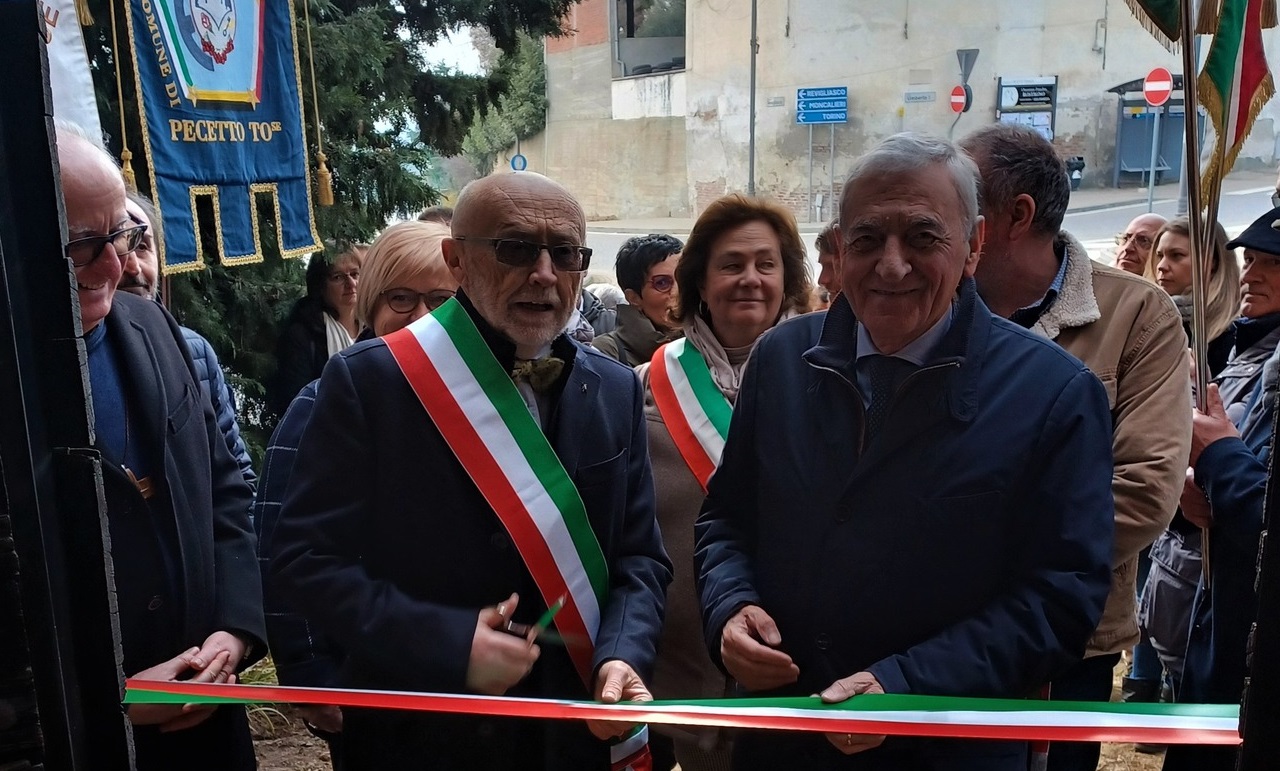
[(663, 284), (403, 300), (1141, 239), (524, 254), (338, 278), (83, 251)]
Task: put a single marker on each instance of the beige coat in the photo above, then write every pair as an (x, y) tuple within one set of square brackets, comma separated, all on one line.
[(1129, 333)]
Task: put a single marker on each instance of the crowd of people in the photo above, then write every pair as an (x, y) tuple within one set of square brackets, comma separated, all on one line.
[(967, 462)]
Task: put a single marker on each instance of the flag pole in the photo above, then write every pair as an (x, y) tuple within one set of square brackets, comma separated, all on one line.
[(1195, 212)]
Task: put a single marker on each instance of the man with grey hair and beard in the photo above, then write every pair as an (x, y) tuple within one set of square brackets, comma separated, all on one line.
[(467, 478), (1129, 333), (914, 496)]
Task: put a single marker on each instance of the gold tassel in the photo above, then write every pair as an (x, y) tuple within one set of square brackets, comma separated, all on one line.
[(82, 10), (324, 181), (1269, 16), (1166, 37), (1207, 17), (126, 168)]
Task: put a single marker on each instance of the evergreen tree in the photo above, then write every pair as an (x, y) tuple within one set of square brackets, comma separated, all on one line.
[(388, 118)]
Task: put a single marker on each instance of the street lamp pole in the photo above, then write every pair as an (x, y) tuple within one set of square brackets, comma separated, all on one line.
[(751, 131)]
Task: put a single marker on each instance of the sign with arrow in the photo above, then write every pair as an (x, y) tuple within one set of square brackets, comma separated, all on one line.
[(816, 106)]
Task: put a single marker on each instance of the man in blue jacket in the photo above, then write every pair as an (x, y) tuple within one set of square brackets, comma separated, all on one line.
[(479, 468), (915, 495)]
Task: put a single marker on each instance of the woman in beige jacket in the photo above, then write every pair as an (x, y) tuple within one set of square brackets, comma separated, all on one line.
[(743, 271)]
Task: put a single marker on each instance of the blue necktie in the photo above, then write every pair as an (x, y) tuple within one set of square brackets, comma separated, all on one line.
[(885, 373)]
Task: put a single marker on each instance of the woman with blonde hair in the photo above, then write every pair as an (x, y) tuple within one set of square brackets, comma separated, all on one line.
[(404, 278), (1171, 258), (743, 270)]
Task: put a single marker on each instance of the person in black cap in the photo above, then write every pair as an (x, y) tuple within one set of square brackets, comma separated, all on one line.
[(1224, 492)]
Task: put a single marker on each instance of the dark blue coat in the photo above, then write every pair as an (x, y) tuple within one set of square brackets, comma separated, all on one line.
[(209, 373), (964, 551), (386, 545)]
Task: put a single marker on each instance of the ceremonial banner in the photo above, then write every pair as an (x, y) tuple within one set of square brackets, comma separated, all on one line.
[(222, 112), (69, 78), (1235, 82)]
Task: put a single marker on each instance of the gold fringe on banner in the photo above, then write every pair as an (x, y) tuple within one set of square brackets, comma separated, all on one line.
[(1269, 17), (1207, 18), (324, 181), (1165, 37), (126, 167), (82, 11), (1216, 111)]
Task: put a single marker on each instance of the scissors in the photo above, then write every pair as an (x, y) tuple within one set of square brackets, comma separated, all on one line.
[(538, 631)]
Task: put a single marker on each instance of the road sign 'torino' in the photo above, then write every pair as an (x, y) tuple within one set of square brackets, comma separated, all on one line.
[(1158, 86), (822, 105)]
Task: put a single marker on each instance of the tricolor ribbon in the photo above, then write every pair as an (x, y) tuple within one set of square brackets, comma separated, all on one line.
[(888, 714)]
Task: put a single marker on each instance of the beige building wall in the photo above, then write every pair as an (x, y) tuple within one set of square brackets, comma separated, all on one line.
[(669, 144)]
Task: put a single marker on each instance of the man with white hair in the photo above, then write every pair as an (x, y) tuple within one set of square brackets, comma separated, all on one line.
[(914, 496), (187, 585)]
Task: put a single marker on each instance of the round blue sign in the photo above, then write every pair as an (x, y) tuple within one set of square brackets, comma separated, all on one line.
[(519, 162)]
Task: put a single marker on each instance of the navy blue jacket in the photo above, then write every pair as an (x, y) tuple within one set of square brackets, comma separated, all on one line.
[(387, 546), (209, 373), (965, 550)]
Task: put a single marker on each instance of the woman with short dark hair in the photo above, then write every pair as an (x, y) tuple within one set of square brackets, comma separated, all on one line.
[(320, 324), (743, 270), (646, 272)]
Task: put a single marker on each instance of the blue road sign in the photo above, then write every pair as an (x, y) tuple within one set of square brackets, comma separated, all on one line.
[(822, 104), (811, 117), (519, 163), (832, 92)]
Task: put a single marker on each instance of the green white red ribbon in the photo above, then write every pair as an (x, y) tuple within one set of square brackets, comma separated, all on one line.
[(889, 714), (694, 410)]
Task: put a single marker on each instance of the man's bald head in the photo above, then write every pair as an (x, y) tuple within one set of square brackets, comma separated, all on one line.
[(94, 195), (1135, 245), (487, 197), (521, 291)]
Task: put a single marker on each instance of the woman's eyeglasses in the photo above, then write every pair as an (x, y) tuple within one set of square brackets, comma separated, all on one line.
[(83, 251), (338, 278), (663, 284), (406, 300), (524, 254)]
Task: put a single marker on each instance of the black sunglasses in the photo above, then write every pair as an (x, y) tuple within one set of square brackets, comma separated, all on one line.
[(523, 254), (83, 251), (403, 300)]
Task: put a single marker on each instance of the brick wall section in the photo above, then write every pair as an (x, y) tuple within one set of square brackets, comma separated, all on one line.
[(587, 23)]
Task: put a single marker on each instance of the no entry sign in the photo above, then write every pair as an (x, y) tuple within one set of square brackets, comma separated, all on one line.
[(1158, 86), (960, 98)]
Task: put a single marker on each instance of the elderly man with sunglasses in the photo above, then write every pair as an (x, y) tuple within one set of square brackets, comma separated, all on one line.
[(470, 479), (187, 587)]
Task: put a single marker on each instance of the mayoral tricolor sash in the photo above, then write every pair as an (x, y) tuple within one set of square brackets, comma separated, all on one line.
[(694, 410), (482, 417)]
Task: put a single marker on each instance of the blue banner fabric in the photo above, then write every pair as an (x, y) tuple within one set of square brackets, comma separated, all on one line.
[(222, 111)]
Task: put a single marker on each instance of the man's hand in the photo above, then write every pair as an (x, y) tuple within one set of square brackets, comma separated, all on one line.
[(846, 688), (1195, 507), (217, 643), (175, 717), (747, 648), (617, 681), (326, 717), (498, 660), (1211, 425)]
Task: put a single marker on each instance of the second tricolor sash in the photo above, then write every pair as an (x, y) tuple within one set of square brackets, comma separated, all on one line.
[(487, 425), (695, 411)]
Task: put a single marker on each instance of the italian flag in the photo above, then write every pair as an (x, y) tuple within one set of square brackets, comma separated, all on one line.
[(1235, 82)]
